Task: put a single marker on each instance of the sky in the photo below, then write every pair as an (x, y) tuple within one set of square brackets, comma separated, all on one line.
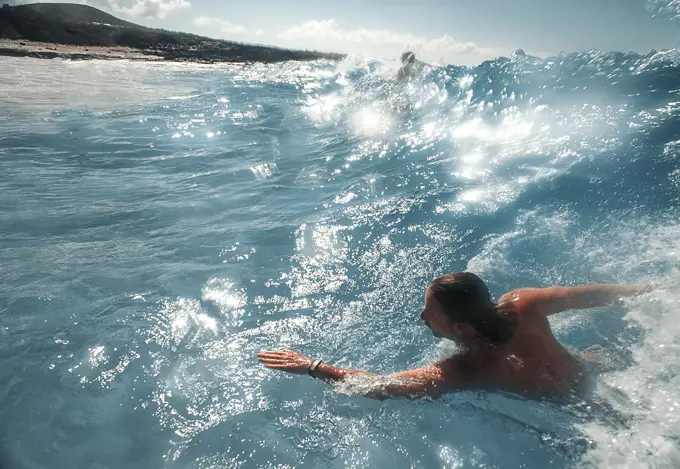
[(447, 31)]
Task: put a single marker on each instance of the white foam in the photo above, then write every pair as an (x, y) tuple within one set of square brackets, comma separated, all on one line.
[(649, 391)]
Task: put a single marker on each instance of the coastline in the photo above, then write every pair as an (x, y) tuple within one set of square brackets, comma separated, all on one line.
[(46, 50)]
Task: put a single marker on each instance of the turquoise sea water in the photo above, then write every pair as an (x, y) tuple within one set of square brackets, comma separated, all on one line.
[(162, 223)]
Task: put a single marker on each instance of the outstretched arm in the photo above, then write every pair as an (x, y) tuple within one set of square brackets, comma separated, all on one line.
[(554, 300), (429, 380)]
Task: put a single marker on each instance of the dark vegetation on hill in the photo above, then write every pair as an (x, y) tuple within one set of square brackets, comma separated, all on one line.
[(82, 25)]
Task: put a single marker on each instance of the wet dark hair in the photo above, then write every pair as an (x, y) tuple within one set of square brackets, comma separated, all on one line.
[(409, 57), (466, 299)]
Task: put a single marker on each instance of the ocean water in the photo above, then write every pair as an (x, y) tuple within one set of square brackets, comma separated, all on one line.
[(160, 224)]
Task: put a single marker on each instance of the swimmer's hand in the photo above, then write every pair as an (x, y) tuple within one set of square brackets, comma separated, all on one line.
[(286, 360)]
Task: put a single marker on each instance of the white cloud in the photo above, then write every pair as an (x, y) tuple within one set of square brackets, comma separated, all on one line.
[(330, 29), (329, 35), (154, 9), (224, 28)]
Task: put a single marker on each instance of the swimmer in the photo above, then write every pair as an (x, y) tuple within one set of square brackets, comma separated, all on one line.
[(408, 60), (505, 346)]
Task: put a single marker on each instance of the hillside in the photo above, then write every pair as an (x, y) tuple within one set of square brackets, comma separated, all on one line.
[(83, 25)]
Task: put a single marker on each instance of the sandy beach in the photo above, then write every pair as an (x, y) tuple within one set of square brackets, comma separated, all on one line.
[(44, 50)]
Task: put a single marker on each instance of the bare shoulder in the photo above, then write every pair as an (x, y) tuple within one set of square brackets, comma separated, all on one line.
[(524, 300), (519, 300), (510, 298)]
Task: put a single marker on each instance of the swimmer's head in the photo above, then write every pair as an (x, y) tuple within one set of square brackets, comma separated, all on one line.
[(408, 58), (458, 306)]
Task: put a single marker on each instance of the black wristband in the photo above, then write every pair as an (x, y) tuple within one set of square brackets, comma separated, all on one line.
[(312, 368)]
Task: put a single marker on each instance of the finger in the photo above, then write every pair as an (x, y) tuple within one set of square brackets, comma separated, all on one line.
[(277, 362), (271, 354), (267, 359), (279, 367)]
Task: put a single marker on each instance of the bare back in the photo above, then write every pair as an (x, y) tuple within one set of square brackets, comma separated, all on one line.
[(532, 361)]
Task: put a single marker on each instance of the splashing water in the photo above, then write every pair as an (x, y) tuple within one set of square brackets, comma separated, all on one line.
[(157, 235), (664, 8)]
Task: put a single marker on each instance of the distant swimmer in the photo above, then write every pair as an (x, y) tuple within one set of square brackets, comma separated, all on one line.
[(505, 346), (408, 60)]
